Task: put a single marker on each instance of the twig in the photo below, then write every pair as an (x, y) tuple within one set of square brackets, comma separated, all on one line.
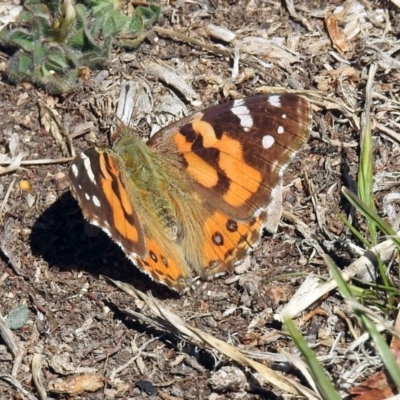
[(66, 145)]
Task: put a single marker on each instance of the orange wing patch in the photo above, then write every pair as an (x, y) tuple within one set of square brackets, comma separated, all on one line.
[(118, 198), (228, 241), (204, 166), (168, 269)]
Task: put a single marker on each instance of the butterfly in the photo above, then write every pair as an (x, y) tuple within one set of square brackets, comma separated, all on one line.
[(194, 197)]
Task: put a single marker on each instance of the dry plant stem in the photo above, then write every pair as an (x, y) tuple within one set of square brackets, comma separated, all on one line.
[(133, 359), (295, 16), (171, 78), (214, 49), (140, 3), (389, 132), (81, 129), (13, 382), (42, 162), (363, 267), (304, 229), (348, 322), (8, 337), (317, 208), (13, 164), (366, 115), (266, 357), (4, 202), (36, 375)]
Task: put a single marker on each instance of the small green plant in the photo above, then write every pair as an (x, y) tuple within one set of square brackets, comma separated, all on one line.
[(54, 40)]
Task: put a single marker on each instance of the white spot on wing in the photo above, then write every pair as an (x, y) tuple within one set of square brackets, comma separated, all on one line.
[(74, 170), (132, 254), (275, 100), (274, 165), (284, 116), (241, 111), (87, 197), (96, 201), (88, 167), (280, 129), (267, 141)]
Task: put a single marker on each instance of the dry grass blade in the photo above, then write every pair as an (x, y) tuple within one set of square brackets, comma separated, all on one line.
[(285, 384), (6, 239), (17, 385), (318, 209), (37, 376), (301, 366), (8, 337), (12, 164), (375, 317), (52, 124)]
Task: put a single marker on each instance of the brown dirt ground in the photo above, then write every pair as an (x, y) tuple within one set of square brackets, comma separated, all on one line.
[(53, 263)]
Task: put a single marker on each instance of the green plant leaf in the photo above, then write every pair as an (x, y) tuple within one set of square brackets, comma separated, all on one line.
[(20, 67), (22, 39), (55, 38), (57, 60)]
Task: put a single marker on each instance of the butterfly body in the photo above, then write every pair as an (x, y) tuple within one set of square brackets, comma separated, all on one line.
[(194, 197)]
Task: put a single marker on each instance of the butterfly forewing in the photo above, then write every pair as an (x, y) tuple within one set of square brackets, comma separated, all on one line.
[(97, 184), (236, 152)]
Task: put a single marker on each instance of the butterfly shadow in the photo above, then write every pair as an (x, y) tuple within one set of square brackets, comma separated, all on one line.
[(62, 238)]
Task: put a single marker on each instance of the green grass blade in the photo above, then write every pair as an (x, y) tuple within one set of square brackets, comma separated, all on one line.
[(371, 215), (365, 175), (325, 386), (355, 232)]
